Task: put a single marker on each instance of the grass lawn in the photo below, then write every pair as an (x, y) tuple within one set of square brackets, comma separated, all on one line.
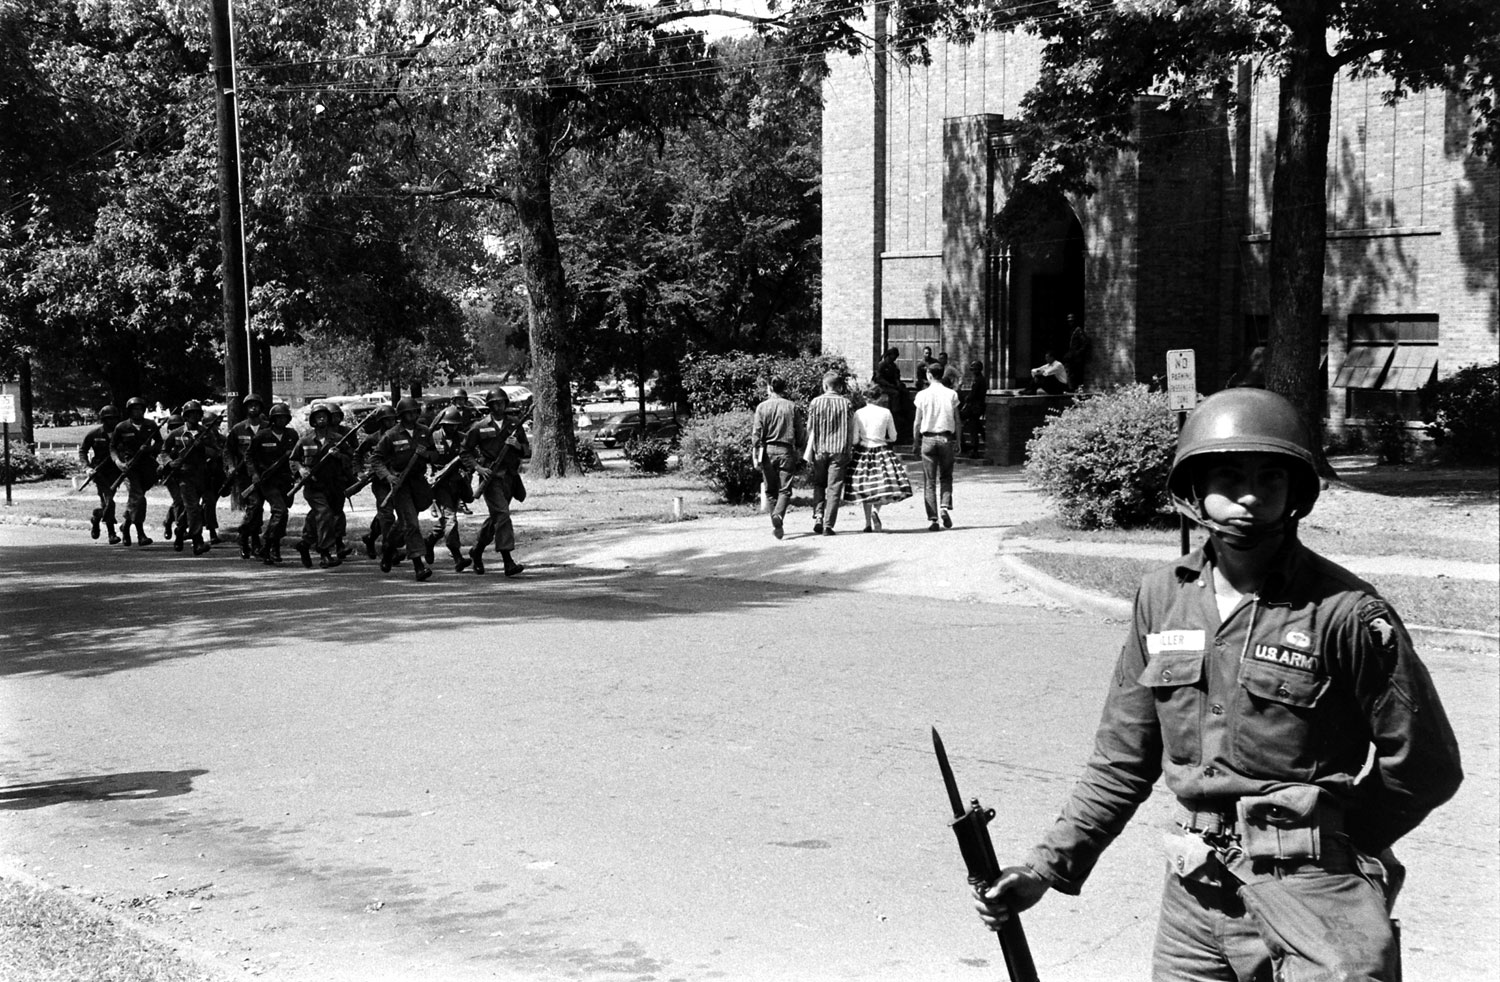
[(1467, 604), (47, 936)]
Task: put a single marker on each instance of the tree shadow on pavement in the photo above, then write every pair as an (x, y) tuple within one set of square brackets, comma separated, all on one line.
[(133, 786)]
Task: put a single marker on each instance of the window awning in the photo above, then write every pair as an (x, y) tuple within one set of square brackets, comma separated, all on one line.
[(1411, 368), (1363, 365)]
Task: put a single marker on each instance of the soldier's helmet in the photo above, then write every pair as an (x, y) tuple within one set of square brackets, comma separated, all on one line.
[(1244, 420), (452, 416), (109, 412), (492, 396), (317, 409), (191, 408), (253, 399), (381, 418), (174, 420), (408, 405), (280, 410), (335, 412), (134, 403)]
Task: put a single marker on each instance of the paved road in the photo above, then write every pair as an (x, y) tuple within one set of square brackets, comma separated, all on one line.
[(598, 772)]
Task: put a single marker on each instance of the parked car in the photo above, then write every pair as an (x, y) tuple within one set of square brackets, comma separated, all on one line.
[(621, 428)]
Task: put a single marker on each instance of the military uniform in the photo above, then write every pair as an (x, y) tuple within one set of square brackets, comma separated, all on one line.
[(94, 453), (373, 429), (133, 447), (497, 443), (268, 463), (237, 443), (192, 470), (1261, 710), (323, 463), (451, 490), (400, 458)]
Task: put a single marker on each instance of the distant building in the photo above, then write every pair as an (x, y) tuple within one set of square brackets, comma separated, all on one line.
[(1169, 253), (295, 381)]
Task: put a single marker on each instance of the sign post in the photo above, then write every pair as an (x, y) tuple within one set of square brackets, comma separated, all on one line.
[(7, 417), (1182, 398)]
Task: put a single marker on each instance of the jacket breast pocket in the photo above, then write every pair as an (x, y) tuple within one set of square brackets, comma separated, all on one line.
[(1276, 725), (1175, 678)]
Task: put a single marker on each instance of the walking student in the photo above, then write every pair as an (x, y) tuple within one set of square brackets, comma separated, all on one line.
[(94, 453), (493, 448), (830, 441), (935, 435), (775, 435), (1280, 698), (876, 474)]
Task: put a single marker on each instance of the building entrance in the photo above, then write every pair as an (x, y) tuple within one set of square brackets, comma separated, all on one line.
[(1043, 287)]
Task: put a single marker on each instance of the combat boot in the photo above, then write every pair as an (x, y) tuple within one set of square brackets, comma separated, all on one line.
[(273, 554), (141, 539), (512, 568), (369, 541), (213, 537), (428, 544), (114, 537), (125, 534), (178, 538), (476, 559), (460, 562), (199, 546), (244, 545), (166, 526), (387, 557), (327, 561), (304, 552), (94, 523), (423, 571)]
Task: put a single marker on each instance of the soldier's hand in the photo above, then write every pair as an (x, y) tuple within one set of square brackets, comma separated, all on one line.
[(483, 471), (1018, 888)]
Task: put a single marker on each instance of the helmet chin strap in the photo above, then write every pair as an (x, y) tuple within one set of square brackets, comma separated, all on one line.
[(1234, 536)]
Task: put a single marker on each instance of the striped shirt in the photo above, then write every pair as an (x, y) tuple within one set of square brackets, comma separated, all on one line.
[(830, 425)]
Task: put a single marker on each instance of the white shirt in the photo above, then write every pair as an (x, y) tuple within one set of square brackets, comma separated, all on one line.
[(1053, 368), (874, 426), (937, 409)]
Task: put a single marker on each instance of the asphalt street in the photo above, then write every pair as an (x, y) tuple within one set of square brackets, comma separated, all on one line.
[(712, 765)]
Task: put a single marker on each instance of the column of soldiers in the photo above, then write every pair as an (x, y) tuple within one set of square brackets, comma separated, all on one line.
[(263, 463)]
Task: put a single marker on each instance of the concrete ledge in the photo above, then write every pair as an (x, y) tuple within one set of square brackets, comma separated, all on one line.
[(1052, 587)]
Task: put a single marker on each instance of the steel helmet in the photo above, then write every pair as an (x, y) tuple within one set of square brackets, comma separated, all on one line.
[(191, 408), (319, 407), (408, 405), (381, 416), (280, 410), (253, 399), (174, 421), (135, 402), (452, 416), (336, 411), (109, 412), (491, 396), (1245, 420)]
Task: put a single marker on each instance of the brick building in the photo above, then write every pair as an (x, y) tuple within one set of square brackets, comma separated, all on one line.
[(1169, 253)]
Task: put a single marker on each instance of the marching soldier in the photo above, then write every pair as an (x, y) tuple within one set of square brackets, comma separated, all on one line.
[(494, 448), (400, 459), (133, 446), (341, 516), (371, 430), (191, 470), (451, 486), (269, 465), (94, 452), (322, 463), (166, 478), (216, 475), (237, 446)]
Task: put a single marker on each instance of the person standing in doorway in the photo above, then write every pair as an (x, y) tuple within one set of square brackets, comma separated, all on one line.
[(830, 441), (935, 435)]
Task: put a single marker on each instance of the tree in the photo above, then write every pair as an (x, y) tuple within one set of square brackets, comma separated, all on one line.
[(1100, 57)]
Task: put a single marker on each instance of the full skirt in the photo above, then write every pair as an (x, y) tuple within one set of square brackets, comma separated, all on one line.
[(877, 476)]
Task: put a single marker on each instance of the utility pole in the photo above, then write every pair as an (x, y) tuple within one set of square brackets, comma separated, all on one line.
[(238, 345)]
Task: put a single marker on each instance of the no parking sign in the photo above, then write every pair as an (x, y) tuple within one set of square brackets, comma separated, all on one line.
[(1182, 380)]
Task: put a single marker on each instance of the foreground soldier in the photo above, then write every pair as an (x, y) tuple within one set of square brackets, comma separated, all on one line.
[(451, 487), (494, 448), (94, 452), (323, 464), (400, 459), (216, 476), (371, 430), (133, 447), (237, 460), (1256, 679), (191, 472), (269, 465)]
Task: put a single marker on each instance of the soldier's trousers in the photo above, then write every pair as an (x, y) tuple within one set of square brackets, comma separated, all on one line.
[(135, 501), (254, 516), (497, 528), (446, 496), (188, 491), (324, 510), (402, 512), (276, 496), (106, 507)]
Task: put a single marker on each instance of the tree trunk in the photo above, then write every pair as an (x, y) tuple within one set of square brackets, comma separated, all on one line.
[(1299, 217), (552, 443)]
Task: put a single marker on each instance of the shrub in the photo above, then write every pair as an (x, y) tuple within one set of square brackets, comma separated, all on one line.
[(1464, 408), (28, 465), (588, 456), (721, 383), (1393, 444), (647, 454), (1104, 461), (716, 449)]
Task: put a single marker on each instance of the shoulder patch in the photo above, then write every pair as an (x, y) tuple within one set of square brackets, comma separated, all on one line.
[(1384, 629)]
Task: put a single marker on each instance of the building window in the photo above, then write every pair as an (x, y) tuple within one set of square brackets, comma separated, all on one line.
[(1391, 359), (911, 336), (281, 373)]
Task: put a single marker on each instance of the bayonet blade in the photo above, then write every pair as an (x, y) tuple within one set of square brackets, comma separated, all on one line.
[(952, 785)]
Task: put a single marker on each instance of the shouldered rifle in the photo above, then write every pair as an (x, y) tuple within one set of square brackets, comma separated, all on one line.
[(505, 447), (328, 453), (176, 461), (276, 465), (970, 825)]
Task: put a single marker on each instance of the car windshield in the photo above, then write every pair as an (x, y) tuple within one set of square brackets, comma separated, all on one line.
[(619, 418)]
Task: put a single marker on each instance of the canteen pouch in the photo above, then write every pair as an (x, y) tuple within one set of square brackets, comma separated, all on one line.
[(1289, 823)]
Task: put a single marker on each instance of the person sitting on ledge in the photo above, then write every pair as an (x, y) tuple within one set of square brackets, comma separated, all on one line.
[(1050, 377)]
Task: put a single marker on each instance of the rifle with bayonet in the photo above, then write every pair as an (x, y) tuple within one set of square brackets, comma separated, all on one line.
[(416, 455), (176, 461), (970, 825), (93, 475), (129, 466)]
